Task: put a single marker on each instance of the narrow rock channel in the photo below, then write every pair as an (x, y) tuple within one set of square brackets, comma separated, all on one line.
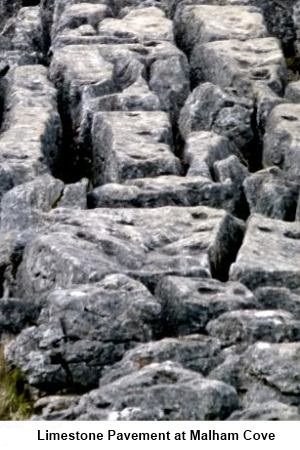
[(150, 208)]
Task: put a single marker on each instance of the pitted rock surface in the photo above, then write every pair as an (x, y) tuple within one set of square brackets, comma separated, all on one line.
[(150, 207)]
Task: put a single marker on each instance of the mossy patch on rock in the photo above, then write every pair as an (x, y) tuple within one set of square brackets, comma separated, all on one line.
[(15, 401)]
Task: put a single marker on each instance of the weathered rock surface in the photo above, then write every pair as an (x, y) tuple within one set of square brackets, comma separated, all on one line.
[(270, 192), (272, 410), (207, 23), (16, 315), (30, 142), (81, 330), (188, 304), (140, 25), (269, 255), (202, 149), (21, 206), (249, 326), (264, 372), (240, 64), (130, 145), (211, 108), (163, 191), (279, 298), (281, 141), (84, 246), (195, 352), (150, 208), (163, 391)]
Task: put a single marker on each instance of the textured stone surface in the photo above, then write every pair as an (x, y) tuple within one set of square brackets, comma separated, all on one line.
[(163, 391), (21, 206), (84, 246), (32, 129), (240, 64), (195, 352), (132, 145), (281, 141), (83, 329), (272, 410), (279, 298), (190, 303), (250, 326), (264, 372), (165, 190), (207, 23), (16, 315), (210, 108), (141, 25), (269, 192), (150, 208), (204, 148), (269, 254)]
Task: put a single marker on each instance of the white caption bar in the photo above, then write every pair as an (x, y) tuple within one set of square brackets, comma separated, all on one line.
[(159, 435)]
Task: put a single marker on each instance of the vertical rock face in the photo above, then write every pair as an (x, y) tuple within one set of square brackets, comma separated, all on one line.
[(150, 209)]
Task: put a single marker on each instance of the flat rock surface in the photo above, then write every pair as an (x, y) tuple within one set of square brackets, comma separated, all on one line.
[(81, 330), (269, 254), (240, 64), (144, 243), (206, 23), (165, 190), (149, 394), (116, 137), (281, 141), (150, 209), (190, 303)]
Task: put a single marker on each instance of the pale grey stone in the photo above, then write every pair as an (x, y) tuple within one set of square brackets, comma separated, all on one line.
[(130, 145), (281, 140), (190, 303), (269, 255), (84, 246)]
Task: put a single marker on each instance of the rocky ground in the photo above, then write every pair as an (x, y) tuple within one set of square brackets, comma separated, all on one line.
[(150, 212)]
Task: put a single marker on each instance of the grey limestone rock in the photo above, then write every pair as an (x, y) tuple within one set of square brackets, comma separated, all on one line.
[(211, 108), (23, 33), (298, 210), (194, 352), (264, 372), (82, 329), (139, 25), (269, 255), (206, 23), (130, 145), (84, 246), (240, 64), (16, 315), (149, 235), (272, 410), (249, 326), (202, 149), (269, 192), (292, 92), (21, 206), (163, 191), (78, 14), (279, 298), (32, 129), (190, 303), (54, 407), (74, 195), (281, 140), (162, 391), (231, 169)]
